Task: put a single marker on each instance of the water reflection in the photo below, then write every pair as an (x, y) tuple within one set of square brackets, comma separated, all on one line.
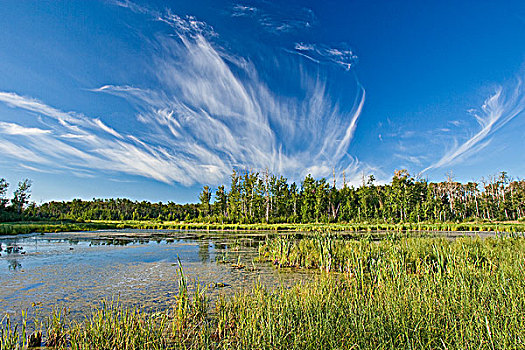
[(13, 264), (204, 251), (138, 267)]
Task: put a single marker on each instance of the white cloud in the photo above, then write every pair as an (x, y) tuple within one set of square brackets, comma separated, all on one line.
[(277, 19), (106, 128), (96, 147), (497, 110), (210, 112), (15, 129), (131, 6), (17, 151), (304, 47), (243, 11), (342, 56), (207, 114)]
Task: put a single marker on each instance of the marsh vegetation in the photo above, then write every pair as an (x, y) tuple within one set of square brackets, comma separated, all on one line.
[(379, 276), (398, 292)]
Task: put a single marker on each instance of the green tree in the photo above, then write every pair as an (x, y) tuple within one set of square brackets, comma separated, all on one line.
[(234, 197), (21, 196), (221, 202), (205, 198), (321, 200), (294, 206), (308, 199), (3, 192)]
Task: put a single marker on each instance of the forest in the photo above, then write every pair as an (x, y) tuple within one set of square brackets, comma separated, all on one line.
[(254, 197)]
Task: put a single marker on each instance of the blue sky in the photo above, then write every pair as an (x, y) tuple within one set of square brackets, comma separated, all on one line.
[(151, 100)]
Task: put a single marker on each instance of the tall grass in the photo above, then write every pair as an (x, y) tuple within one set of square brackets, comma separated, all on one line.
[(336, 227), (330, 252), (111, 326), (408, 293), (407, 313), (356, 228), (41, 227), (426, 293)]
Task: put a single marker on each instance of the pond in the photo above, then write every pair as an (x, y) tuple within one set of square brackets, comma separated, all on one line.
[(76, 271), (139, 268)]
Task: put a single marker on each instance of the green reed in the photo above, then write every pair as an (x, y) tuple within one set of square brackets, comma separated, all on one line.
[(44, 227), (358, 229), (399, 293), (407, 293)]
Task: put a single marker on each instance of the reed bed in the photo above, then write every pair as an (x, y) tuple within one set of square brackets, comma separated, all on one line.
[(425, 293), (42, 227), (334, 227), (331, 252), (357, 228), (399, 293)]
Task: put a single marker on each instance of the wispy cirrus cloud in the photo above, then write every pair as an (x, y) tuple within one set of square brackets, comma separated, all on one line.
[(210, 110), (497, 110), (276, 19), (131, 6), (212, 107), (70, 121), (239, 10), (79, 143), (15, 129), (341, 55)]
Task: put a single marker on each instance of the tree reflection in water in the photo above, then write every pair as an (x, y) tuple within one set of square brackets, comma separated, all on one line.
[(14, 264)]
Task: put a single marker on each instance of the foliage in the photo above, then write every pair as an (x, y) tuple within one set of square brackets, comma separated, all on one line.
[(119, 209), (19, 202), (256, 198), (253, 197), (21, 195), (4, 185), (205, 198)]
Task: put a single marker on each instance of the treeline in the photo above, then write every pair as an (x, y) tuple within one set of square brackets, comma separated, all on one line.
[(115, 209), (15, 209), (19, 208), (254, 197)]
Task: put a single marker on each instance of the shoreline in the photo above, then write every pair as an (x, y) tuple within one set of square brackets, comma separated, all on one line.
[(16, 228)]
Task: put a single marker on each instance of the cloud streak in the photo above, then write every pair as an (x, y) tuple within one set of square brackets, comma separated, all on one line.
[(342, 56), (497, 110), (276, 19), (76, 142), (209, 111), (212, 108)]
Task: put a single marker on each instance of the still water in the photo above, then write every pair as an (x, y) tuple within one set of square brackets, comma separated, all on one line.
[(76, 271)]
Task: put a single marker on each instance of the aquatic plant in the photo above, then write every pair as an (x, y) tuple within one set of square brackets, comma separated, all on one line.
[(398, 293), (357, 229)]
